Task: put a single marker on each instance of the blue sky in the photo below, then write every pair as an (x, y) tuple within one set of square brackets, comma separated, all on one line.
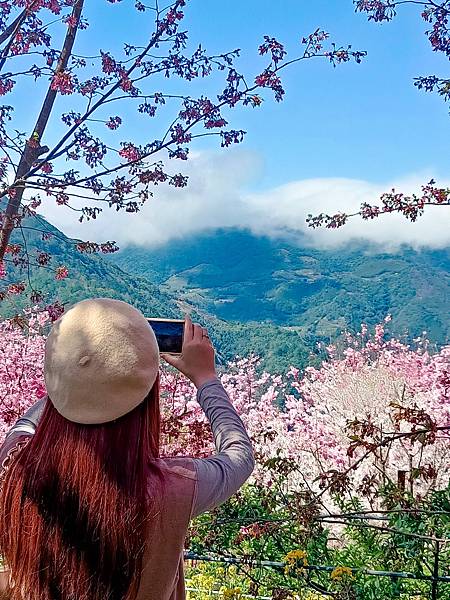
[(364, 122)]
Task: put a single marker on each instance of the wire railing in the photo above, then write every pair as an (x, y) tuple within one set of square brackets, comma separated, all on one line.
[(230, 560), (434, 579), (213, 593)]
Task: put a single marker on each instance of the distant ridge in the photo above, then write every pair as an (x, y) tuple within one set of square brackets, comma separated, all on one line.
[(239, 276)]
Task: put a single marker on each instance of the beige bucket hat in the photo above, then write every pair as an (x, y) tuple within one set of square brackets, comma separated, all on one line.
[(101, 361)]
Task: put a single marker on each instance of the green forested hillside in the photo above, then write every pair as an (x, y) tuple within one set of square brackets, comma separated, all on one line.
[(89, 275), (241, 277), (92, 275), (271, 298)]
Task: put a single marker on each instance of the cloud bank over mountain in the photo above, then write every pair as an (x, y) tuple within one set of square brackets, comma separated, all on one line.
[(218, 196)]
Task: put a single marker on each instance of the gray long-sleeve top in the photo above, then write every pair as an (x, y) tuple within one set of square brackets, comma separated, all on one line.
[(220, 475)]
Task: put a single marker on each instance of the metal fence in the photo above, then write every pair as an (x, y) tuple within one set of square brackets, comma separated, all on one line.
[(213, 593), (434, 579)]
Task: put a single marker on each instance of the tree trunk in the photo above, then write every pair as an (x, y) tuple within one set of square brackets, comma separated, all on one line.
[(31, 153)]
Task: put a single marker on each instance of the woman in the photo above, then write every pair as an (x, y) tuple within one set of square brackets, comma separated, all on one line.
[(88, 510)]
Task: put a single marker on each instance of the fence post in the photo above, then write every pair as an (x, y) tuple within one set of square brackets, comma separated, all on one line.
[(401, 480), (434, 585)]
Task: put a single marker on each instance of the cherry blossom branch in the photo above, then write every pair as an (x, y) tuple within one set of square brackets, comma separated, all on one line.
[(12, 28), (411, 207), (341, 475), (154, 40)]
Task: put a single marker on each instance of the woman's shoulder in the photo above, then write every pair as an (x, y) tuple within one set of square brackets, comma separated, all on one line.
[(179, 466), (180, 485)]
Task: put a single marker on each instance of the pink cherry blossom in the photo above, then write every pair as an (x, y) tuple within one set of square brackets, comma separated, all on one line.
[(61, 273), (63, 83), (299, 416)]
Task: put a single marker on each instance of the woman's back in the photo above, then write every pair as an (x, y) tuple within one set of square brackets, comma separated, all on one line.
[(162, 574), (116, 530)]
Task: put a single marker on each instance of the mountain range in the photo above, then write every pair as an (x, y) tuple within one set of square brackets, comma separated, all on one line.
[(238, 276), (93, 275), (272, 297)]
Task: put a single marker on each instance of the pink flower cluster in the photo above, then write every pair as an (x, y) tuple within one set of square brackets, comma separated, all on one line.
[(61, 273), (130, 152), (21, 366), (63, 83)]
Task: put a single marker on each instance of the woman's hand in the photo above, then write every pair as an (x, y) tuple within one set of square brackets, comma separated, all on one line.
[(197, 356)]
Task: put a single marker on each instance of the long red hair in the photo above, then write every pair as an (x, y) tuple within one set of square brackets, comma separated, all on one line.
[(76, 504)]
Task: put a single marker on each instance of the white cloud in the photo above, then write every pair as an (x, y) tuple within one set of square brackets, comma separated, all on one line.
[(216, 197)]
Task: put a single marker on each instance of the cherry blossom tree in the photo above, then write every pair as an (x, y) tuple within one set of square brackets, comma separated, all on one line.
[(21, 371), (94, 163), (326, 419)]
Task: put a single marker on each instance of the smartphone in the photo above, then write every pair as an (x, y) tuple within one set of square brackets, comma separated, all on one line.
[(169, 334)]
